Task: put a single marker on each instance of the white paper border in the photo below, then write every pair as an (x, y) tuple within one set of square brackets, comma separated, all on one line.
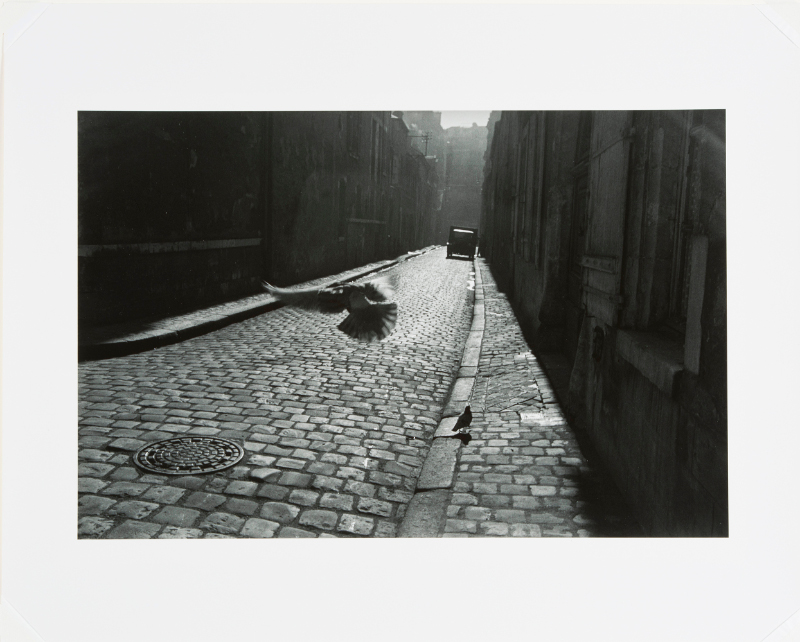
[(217, 57)]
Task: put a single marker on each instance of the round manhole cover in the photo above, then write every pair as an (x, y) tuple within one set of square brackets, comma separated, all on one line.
[(188, 455)]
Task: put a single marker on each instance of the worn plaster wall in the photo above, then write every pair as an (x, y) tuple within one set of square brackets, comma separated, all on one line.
[(154, 190), (649, 369), (181, 210), (307, 158), (662, 427)]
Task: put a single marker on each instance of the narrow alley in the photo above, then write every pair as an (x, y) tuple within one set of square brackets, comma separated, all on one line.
[(334, 432)]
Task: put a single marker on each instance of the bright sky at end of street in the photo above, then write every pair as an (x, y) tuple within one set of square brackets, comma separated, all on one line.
[(464, 118)]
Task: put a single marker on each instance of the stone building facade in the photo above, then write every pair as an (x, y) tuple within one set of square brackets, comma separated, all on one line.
[(607, 231), (462, 178), (180, 210), (458, 155)]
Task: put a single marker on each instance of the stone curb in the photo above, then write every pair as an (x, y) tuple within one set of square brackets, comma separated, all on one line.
[(157, 339), (427, 510)]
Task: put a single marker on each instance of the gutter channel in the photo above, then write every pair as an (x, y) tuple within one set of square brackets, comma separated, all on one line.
[(427, 511)]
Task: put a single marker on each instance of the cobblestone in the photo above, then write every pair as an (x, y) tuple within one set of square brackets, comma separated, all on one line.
[(93, 505), (90, 484), (93, 527), (303, 497), (374, 507), (339, 502), (133, 529), (223, 523), (177, 516), (295, 479), (256, 527), (385, 529), (245, 488), (164, 494), (174, 532), (460, 526), (205, 501), (356, 524), (279, 512), (265, 474), (295, 532), (323, 519), (94, 470), (132, 509), (125, 473), (126, 444), (272, 491), (241, 506), (125, 489)]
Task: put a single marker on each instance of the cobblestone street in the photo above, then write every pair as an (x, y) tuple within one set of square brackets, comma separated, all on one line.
[(335, 431)]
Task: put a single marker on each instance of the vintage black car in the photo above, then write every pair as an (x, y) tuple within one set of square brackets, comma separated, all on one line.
[(462, 242)]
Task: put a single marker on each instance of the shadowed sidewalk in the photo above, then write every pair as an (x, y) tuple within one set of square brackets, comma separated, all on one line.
[(114, 340), (523, 473)]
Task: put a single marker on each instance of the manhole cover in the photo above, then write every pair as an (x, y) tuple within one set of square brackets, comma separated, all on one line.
[(188, 455)]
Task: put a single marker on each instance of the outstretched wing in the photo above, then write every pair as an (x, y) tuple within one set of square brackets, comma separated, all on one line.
[(380, 289), (327, 299), (372, 323)]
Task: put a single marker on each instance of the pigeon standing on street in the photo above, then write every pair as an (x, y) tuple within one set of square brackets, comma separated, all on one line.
[(464, 420), (366, 321)]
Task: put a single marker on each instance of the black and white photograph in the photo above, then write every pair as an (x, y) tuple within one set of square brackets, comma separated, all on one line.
[(384, 324), (399, 321)]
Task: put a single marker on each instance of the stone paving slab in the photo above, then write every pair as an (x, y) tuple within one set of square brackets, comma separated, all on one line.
[(335, 431), (425, 512), (437, 472)]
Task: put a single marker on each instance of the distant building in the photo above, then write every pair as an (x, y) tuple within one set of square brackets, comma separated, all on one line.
[(607, 231), (425, 131), (463, 177), (180, 210), (427, 137), (457, 154)]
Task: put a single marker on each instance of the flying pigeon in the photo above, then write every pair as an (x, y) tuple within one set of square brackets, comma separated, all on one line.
[(366, 321), (464, 420)]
